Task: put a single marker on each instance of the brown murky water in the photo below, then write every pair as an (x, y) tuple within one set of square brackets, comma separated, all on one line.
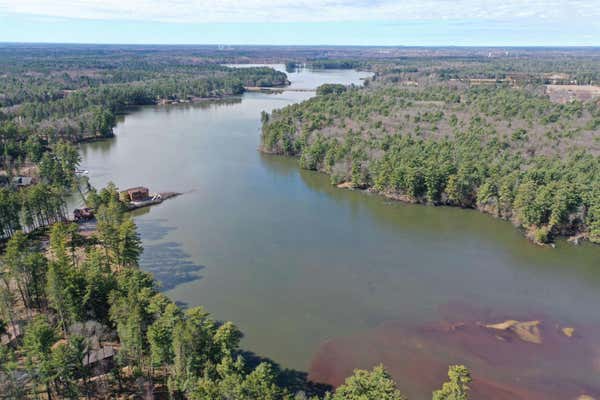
[(504, 365)]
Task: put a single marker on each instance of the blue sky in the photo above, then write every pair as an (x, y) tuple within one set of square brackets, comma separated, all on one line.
[(304, 22)]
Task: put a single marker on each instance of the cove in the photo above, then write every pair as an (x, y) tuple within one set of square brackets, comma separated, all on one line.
[(310, 272)]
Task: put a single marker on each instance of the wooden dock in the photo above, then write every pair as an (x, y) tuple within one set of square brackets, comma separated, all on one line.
[(156, 199)]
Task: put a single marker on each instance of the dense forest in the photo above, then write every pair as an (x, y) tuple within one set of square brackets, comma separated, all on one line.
[(425, 133)]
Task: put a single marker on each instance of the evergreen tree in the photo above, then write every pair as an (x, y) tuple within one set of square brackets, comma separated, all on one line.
[(368, 385), (457, 388)]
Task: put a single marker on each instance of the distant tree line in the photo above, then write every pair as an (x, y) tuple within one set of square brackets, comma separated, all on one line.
[(335, 64), (79, 93)]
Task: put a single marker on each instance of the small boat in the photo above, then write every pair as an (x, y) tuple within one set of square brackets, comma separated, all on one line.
[(81, 171)]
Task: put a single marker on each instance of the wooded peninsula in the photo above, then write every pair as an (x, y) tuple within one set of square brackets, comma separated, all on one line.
[(517, 138)]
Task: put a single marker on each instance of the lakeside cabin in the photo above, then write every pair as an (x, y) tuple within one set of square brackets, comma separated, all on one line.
[(101, 358), (22, 181), (135, 194)]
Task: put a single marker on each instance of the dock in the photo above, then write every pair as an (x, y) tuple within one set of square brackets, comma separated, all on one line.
[(155, 199)]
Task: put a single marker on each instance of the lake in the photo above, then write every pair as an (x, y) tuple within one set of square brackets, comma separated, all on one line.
[(324, 280)]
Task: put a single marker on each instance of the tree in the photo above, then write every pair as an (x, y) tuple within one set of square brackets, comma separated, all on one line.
[(68, 159), (27, 268), (260, 384), (7, 301), (330, 88), (110, 216), (192, 347), (129, 311), (66, 363), (11, 387), (227, 339), (56, 292), (593, 218), (368, 385), (231, 383), (129, 243), (457, 388), (525, 204), (34, 148), (99, 283), (64, 285), (160, 333), (37, 343), (14, 261)]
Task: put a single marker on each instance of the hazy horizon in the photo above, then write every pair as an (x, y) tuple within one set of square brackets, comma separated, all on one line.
[(226, 46)]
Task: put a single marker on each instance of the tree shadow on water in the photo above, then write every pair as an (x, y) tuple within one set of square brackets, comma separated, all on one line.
[(169, 264), (293, 380), (153, 229)]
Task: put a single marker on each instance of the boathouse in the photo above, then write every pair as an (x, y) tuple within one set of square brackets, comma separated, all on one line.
[(139, 193)]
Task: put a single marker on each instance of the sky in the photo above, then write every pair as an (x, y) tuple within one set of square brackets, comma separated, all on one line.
[(304, 22)]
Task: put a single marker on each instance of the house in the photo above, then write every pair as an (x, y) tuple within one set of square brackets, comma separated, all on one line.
[(21, 181), (139, 193), (105, 353), (100, 360)]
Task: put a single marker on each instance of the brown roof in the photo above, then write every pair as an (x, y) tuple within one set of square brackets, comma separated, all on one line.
[(137, 189), (98, 355)]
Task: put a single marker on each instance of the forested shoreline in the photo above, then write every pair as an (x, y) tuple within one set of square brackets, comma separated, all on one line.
[(77, 95), (51, 98), (421, 135)]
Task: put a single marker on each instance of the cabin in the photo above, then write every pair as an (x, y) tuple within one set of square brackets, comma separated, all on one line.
[(134, 194), (22, 181), (101, 360), (103, 354)]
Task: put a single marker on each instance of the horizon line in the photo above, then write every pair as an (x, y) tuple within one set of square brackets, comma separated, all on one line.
[(479, 46)]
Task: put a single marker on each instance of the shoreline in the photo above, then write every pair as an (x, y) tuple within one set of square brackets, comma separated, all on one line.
[(576, 239), (191, 100)]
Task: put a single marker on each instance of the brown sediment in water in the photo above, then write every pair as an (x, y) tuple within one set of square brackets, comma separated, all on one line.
[(504, 365)]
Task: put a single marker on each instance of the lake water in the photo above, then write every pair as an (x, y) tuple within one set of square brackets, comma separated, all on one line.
[(308, 271)]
